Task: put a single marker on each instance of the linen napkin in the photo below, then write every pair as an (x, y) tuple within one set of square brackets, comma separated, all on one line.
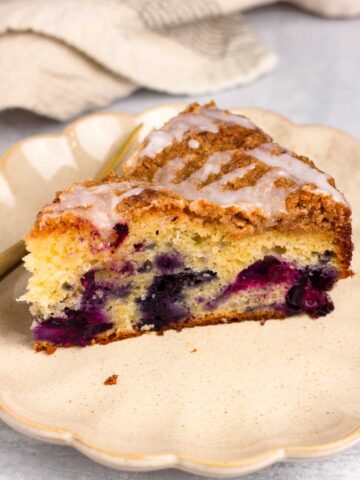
[(59, 58)]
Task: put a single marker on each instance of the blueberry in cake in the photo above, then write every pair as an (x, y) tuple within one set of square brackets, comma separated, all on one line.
[(212, 222)]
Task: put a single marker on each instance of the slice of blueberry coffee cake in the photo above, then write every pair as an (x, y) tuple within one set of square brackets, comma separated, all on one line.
[(212, 223)]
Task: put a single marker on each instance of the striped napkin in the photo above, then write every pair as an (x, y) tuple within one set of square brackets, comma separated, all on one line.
[(59, 58)]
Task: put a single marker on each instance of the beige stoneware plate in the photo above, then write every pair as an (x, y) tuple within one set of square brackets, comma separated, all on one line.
[(222, 401)]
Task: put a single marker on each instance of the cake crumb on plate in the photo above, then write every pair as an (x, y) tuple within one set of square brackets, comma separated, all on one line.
[(112, 380)]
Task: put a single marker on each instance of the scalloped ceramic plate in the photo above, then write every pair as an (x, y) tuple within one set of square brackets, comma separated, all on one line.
[(224, 400)]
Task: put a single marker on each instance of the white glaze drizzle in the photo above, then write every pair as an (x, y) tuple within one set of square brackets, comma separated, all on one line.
[(97, 204), (298, 171), (192, 143), (212, 165), (166, 175), (205, 120), (264, 195), (214, 192), (228, 117), (191, 187)]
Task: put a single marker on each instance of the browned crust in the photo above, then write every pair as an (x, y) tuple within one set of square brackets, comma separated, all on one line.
[(216, 319), (228, 137), (306, 211), (232, 223), (212, 319)]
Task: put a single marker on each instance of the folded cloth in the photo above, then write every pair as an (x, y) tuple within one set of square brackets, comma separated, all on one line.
[(61, 58)]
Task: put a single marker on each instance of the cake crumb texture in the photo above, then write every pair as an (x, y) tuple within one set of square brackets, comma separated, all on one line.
[(212, 223), (112, 380)]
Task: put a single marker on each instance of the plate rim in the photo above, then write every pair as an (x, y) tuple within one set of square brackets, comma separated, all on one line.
[(139, 462)]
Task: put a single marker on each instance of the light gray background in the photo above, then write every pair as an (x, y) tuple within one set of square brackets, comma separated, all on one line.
[(317, 81)]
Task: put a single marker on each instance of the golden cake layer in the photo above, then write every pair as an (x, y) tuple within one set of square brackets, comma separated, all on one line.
[(212, 222)]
